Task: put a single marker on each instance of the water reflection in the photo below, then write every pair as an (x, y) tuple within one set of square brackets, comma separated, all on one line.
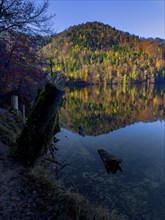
[(95, 110), (137, 192), (89, 117)]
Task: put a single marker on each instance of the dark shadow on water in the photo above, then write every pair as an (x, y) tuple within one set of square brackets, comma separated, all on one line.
[(111, 162)]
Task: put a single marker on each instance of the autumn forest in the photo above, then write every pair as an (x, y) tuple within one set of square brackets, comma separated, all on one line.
[(90, 53), (96, 53)]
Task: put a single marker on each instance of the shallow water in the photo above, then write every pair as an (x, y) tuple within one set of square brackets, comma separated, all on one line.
[(128, 124)]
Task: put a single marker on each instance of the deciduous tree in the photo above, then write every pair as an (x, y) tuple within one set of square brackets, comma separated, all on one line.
[(20, 21)]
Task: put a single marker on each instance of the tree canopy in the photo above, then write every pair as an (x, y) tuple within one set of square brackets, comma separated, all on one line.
[(21, 23), (97, 53)]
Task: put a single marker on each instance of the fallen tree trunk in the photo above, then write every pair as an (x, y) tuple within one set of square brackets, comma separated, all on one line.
[(111, 162), (42, 122)]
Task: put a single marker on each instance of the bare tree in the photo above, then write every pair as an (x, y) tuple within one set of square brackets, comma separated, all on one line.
[(24, 16)]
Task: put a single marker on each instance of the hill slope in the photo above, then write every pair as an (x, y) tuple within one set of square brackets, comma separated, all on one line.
[(96, 53)]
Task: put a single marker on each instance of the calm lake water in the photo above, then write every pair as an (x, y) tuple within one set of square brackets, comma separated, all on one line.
[(128, 123)]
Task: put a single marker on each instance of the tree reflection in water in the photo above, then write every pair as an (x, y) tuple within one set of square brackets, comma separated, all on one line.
[(99, 110)]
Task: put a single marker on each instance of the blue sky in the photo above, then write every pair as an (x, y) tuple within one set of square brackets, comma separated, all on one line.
[(144, 18)]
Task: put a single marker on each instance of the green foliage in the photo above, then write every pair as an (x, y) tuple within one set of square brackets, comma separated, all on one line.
[(97, 53)]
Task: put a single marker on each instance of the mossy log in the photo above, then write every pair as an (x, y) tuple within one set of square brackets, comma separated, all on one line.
[(111, 162), (42, 122)]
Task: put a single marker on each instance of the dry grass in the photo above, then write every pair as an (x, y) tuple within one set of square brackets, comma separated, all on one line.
[(72, 205)]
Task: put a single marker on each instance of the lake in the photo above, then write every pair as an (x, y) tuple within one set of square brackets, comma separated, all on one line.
[(129, 123)]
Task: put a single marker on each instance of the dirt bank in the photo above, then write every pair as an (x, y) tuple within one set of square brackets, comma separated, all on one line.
[(32, 194)]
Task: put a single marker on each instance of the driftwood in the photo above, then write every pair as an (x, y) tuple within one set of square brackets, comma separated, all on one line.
[(42, 122), (111, 162)]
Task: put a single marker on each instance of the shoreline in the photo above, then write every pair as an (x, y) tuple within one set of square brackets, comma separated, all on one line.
[(35, 193)]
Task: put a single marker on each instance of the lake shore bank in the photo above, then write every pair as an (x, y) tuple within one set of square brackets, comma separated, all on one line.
[(31, 193)]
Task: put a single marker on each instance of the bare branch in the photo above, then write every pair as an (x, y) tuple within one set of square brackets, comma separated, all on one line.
[(24, 16)]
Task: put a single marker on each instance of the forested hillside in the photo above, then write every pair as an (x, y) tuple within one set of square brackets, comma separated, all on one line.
[(97, 53)]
